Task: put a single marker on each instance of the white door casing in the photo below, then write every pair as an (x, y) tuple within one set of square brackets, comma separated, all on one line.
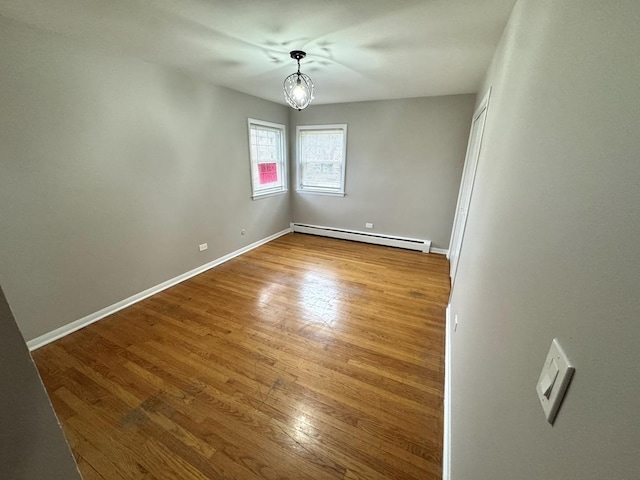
[(466, 185)]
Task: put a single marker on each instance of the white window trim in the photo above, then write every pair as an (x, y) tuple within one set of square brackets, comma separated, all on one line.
[(272, 191), (316, 190), (311, 191)]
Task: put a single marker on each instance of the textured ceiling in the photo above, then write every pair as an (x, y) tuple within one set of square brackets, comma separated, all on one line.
[(356, 49)]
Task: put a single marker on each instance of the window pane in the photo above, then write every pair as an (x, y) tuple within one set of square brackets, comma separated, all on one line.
[(321, 157), (266, 148)]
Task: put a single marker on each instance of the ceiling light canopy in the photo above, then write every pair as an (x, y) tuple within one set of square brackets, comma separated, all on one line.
[(298, 87)]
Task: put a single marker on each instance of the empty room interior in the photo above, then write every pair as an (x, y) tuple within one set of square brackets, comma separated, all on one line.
[(361, 239)]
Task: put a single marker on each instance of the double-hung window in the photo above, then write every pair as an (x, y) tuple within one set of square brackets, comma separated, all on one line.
[(267, 146), (322, 155)]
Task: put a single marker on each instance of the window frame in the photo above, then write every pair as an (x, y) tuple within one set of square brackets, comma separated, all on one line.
[(340, 192), (268, 192)]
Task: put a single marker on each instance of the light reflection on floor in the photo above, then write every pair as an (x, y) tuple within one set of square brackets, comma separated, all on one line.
[(319, 298), (318, 302), (268, 294), (303, 427)]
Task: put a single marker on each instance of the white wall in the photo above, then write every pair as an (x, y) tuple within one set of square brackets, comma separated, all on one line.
[(551, 251), (404, 163), (113, 171)]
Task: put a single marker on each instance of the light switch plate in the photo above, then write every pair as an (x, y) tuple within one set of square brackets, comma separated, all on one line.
[(554, 380)]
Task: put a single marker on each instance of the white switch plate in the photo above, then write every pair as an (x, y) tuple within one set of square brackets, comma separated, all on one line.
[(368, 225), (554, 380), (203, 247)]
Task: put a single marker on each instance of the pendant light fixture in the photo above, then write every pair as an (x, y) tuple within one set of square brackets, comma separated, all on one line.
[(298, 87)]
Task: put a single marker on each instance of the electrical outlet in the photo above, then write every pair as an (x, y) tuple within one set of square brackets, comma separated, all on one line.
[(203, 247), (368, 225)]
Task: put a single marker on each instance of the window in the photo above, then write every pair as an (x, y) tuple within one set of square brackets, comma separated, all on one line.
[(268, 160), (322, 154)]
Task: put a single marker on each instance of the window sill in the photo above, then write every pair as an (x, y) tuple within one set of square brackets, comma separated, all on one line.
[(320, 192), (269, 194)]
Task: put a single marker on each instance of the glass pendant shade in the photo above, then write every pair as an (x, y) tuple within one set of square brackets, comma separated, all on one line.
[(298, 90), (298, 87)]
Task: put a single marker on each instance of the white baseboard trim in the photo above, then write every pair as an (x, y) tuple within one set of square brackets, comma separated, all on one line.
[(446, 441), (60, 332), (440, 251), (366, 237)]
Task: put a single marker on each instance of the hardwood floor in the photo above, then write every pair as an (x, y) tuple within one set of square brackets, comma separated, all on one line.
[(307, 358)]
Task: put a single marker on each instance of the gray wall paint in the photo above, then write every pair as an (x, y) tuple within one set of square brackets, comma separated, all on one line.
[(32, 446), (551, 251), (404, 163), (113, 172)]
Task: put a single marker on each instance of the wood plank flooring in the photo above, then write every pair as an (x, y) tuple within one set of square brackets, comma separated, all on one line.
[(306, 358)]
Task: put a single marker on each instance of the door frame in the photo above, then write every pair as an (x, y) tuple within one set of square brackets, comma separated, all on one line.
[(468, 175)]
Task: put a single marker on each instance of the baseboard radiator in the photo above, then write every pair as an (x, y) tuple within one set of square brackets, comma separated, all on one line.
[(375, 238)]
